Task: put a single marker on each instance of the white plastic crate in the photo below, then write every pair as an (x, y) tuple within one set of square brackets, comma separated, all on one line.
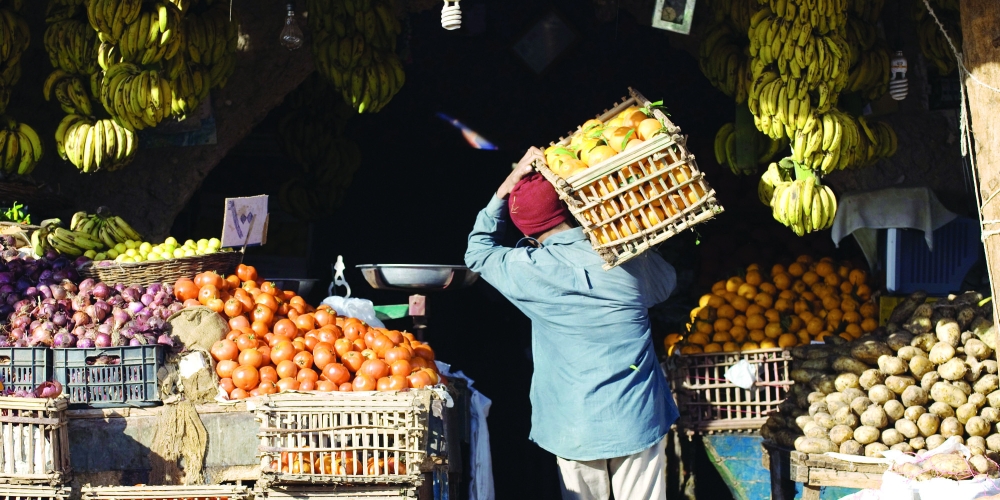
[(143, 492), (339, 492), (29, 492)]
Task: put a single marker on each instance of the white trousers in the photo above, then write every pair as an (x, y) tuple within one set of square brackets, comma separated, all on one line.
[(641, 476)]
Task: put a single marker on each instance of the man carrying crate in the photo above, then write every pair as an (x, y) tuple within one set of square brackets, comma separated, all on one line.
[(599, 399)]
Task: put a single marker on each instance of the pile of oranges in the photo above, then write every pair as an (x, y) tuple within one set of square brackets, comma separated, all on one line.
[(806, 301), (279, 343), (596, 141)]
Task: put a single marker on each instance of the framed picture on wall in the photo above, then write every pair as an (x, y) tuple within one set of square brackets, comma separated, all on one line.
[(674, 15), (544, 41)]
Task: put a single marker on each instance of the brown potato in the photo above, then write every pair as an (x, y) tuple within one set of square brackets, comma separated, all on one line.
[(846, 416), (941, 409), (851, 447), (990, 415), (941, 353), (976, 444), (965, 412), (825, 420), (871, 378), (893, 410), (869, 351), (920, 366), (993, 399), (909, 352), (907, 428), (929, 379), (875, 417), (982, 464), (821, 364), (824, 383), (846, 381), (914, 396), (990, 366), (845, 364), (818, 407), (918, 443), (951, 427), (948, 332), (814, 445), (924, 341), (962, 386), (880, 394), (934, 441), (954, 369), (874, 450), (898, 384), (977, 399), (866, 434), (816, 431), (977, 426), (912, 413), (928, 424), (851, 393), (903, 447), (860, 404), (897, 341), (841, 433), (891, 365), (993, 442), (891, 437), (978, 349), (986, 384), (948, 393)]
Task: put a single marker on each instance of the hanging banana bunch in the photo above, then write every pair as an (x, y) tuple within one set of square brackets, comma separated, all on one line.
[(804, 205), (725, 144), (95, 145), (72, 46), (211, 39), (354, 44), (20, 147), (932, 42), (69, 92)]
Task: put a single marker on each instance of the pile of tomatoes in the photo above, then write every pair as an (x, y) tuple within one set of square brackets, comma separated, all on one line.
[(279, 343), (341, 463)]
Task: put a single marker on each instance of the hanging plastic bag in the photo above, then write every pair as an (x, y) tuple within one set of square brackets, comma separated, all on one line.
[(362, 309)]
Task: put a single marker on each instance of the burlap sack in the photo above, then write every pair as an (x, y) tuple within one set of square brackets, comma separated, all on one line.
[(198, 328)]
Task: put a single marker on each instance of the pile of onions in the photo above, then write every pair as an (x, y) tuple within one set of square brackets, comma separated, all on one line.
[(91, 314)]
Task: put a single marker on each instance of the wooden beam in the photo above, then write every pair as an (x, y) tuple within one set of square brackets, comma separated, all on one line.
[(981, 55)]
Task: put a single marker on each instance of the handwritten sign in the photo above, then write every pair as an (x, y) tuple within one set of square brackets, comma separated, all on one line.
[(245, 222)]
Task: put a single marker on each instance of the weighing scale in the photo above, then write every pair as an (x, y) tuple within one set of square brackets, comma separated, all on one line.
[(421, 278)]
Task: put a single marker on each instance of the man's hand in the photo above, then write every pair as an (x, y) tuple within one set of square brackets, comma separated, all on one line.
[(523, 168)]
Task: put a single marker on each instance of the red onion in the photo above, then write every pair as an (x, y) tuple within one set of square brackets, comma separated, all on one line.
[(132, 294), (81, 260), (80, 331), (58, 291), (7, 288), (135, 307), (105, 329), (21, 393), (7, 277), (63, 339), (165, 339), (120, 317), (17, 333), (101, 291), (103, 309), (154, 289), (120, 287), (102, 340), (60, 319), (69, 286), (31, 292), (51, 254), (81, 318), (86, 286), (48, 390), (45, 275), (146, 299), (41, 335), (86, 343), (134, 342)]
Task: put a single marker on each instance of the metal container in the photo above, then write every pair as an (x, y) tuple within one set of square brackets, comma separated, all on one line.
[(417, 277)]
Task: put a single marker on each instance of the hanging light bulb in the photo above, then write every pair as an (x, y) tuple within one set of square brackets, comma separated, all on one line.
[(898, 87), (291, 34), (451, 15)]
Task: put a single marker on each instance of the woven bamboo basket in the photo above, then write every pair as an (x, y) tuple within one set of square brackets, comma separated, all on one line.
[(24, 492), (638, 198), (34, 441), (344, 437), (709, 402), (143, 492), (160, 271)]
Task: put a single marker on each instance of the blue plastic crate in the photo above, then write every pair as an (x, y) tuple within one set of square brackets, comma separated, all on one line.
[(25, 367), (111, 377), (911, 266)]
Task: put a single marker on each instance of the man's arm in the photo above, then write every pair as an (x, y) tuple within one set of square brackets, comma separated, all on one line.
[(485, 254)]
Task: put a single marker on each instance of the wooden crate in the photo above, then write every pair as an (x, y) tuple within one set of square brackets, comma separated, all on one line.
[(344, 437), (708, 402), (342, 492), (816, 471), (26, 492), (34, 440), (143, 492), (612, 200)]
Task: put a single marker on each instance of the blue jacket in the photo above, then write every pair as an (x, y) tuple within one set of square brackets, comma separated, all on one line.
[(597, 391)]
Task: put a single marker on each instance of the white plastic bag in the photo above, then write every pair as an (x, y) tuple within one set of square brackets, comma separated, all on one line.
[(362, 309), (743, 374)]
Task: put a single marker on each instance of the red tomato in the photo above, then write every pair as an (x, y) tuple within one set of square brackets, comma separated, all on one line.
[(246, 341), (401, 367), (307, 374), (233, 308), (238, 393), (286, 328), (337, 373), (382, 384), (398, 383), (323, 357), (352, 360), (287, 369), (287, 384), (343, 346), (225, 368), (374, 368), (325, 386), (394, 354), (419, 380), (251, 357), (363, 382), (303, 359), (268, 374), (283, 351), (227, 385), (225, 350), (246, 377)]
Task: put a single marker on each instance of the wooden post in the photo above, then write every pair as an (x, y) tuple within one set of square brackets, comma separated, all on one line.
[(981, 56)]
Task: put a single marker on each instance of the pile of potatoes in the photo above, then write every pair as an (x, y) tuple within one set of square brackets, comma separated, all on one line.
[(930, 374)]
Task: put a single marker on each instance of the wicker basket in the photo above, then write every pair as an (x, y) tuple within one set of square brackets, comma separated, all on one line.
[(143, 492), (34, 441), (160, 271), (344, 437), (639, 198), (709, 402)]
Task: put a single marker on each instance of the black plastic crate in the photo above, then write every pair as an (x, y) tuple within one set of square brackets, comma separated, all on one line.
[(25, 367), (109, 377)]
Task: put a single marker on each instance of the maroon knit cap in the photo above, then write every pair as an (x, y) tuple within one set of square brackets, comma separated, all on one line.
[(535, 207)]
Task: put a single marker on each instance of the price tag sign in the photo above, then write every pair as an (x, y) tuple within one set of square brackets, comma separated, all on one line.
[(245, 222)]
